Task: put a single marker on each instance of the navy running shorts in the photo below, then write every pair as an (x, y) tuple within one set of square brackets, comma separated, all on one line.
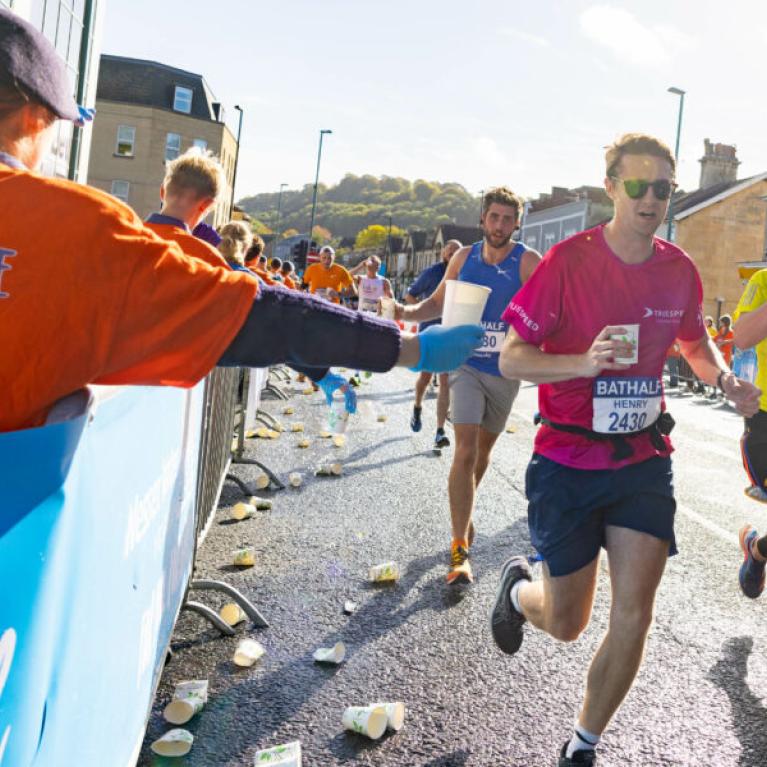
[(569, 509)]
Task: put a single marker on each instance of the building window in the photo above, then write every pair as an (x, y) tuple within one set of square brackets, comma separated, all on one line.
[(182, 100), (569, 233), (172, 146), (126, 139), (531, 240), (200, 143), (121, 190)]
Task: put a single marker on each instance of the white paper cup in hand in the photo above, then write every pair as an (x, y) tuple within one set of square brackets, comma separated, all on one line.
[(335, 654), (174, 743), (365, 720), (232, 614), (464, 303), (248, 652), (395, 713), (631, 336)]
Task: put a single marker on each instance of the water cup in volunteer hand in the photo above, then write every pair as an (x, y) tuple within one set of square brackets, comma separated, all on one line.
[(387, 308), (464, 303)]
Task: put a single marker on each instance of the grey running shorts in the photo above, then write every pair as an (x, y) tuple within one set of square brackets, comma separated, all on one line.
[(481, 398)]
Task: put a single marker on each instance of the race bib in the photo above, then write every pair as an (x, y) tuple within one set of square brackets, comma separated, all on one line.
[(493, 339), (625, 405)]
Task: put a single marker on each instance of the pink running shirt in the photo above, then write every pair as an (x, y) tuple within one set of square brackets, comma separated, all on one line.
[(579, 287)]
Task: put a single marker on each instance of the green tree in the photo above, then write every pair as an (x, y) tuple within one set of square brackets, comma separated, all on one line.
[(375, 235), (289, 233)]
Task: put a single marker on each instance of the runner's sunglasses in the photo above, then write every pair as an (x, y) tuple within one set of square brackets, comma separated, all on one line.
[(636, 188)]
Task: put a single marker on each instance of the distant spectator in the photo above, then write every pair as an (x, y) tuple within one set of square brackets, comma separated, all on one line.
[(724, 338), (255, 260), (328, 279), (275, 267), (236, 238), (288, 273)]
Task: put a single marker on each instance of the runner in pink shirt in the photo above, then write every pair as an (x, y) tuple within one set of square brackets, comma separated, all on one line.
[(592, 326)]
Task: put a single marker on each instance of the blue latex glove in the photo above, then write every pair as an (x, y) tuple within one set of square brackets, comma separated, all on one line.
[(444, 349), (86, 116), (330, 383), (207, 233)]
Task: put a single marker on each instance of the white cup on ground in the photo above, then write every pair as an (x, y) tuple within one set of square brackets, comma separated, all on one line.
[(286, 755), (388, 571), (630, 336), (245, 557), (464, 303), (395, 713), (248, 652), (174, 743), (232, 614), (366, 720)]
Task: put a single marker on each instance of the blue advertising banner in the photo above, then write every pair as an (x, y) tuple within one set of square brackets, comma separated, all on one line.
[(96, 545)]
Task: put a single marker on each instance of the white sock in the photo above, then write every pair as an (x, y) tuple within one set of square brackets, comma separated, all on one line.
[(582, 740), (514, 594)]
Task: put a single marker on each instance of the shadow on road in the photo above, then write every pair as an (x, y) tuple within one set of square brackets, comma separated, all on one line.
[(749, 715)]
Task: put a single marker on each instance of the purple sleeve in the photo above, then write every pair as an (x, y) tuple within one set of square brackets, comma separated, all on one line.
[(307, 332)]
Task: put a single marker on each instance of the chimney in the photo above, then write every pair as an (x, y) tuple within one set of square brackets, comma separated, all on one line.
[(718, 164)]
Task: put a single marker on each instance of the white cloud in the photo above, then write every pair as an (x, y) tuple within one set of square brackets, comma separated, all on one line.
[(527, 37), (618, 30)]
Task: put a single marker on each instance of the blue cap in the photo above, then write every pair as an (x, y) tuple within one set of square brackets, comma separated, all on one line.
[(29, 61)]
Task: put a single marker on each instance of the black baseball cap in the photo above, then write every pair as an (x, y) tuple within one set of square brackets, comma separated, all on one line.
[(29, 61)]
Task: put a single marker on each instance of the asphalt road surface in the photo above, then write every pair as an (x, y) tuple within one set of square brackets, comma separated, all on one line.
[(699, 698)]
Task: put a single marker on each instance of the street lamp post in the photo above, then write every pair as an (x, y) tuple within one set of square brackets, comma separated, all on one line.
[(677, 92), (316, 183), (279, 210), (388, 241), (236, 160)]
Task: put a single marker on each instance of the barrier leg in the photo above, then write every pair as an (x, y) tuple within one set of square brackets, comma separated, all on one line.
[(248, 607), (266, 419), (252, 462), (275, 390), (210, 616)]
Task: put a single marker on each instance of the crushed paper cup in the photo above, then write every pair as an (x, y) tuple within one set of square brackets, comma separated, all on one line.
[(245, 557), (349, 607), (339, 440), (174, 743), (261, 504), (365, 720), (296, 427), (329, 470), (335, 654), (262, 432), (324, 434), (336, 469), (395, 714), (242, 511), (287, 755), (381, 418), (388, 571), (511, 429), (189, 698), (232, 614), (273, 433), (262, 481), (303, 443), (288, 411), (248, 652), (295, 479), (308, 391)]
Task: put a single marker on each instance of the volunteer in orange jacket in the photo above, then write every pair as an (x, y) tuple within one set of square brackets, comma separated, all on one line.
[(129, 307)]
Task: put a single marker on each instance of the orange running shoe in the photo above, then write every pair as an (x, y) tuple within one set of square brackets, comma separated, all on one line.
[(460, 568)]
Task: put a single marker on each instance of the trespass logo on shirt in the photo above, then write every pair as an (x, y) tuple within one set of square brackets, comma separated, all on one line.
[(4, 253), (663, 315)]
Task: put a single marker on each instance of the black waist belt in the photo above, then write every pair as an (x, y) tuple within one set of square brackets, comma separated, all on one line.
[(622, 448)]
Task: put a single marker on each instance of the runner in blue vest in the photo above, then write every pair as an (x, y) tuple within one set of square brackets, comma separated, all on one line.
[(480, 398)]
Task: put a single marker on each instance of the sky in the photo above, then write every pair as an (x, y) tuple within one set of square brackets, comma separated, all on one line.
[(482, 93)]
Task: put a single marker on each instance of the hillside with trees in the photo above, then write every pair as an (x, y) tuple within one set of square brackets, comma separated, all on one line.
[(357, 202)]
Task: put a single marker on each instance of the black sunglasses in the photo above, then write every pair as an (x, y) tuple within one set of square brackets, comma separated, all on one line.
[(636, 188)]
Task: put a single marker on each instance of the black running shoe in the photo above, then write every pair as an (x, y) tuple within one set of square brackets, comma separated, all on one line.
[(415, 419), (441, 439), (505, 622), (583, 758)]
